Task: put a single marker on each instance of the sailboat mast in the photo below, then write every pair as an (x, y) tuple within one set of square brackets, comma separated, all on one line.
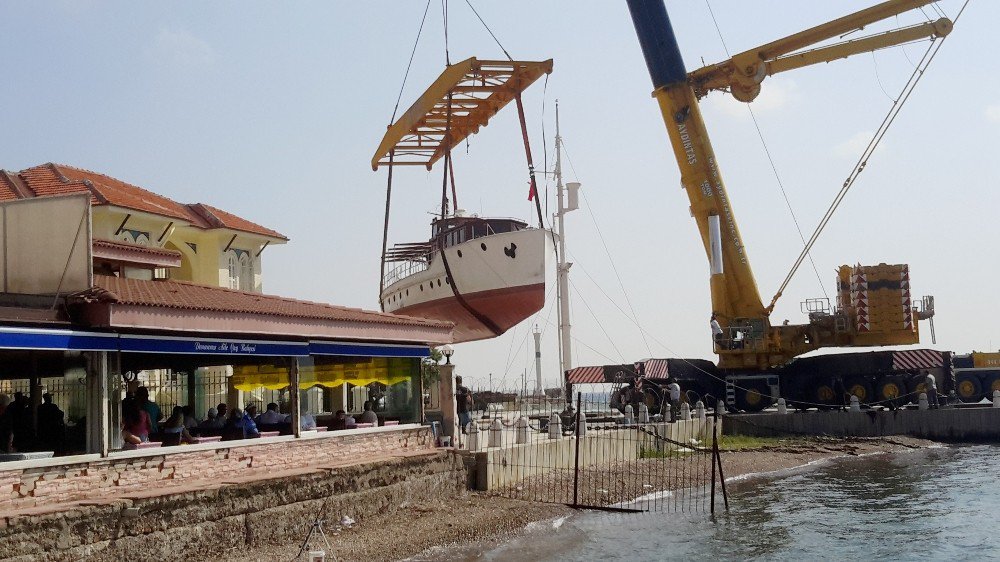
[(565, 341)]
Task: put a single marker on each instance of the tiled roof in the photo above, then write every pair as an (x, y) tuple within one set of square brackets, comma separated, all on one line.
[(188, 296), (60, 179), (218, 218)]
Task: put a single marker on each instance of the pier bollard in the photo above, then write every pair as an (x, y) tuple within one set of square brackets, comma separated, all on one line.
[(782, 406), (699, 410), (555, 426), (923, 404), (496, 433), (473, 442), (643, 413), (996, 398), (667, 413), (720, 407), (629, 417), (855, 404), (521, 433), (685, 412), (581, 425)]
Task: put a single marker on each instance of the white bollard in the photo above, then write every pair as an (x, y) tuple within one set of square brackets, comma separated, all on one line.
[(667, 415), (521, 427), (699, 410), (643, 413), (855, 404), (555, 426), (629, 417), (685, 412), (496, 433), (996, 398), (473, 442), (720, 407), (923, 401), (581, 425)]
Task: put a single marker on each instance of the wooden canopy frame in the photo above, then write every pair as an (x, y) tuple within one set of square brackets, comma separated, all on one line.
[(472, 91)]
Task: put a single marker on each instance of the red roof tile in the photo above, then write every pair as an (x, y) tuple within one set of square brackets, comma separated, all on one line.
[(59, 179), (188, 296), (221, 219)]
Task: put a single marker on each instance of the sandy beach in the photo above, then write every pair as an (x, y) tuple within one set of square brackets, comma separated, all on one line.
[(424, 531)]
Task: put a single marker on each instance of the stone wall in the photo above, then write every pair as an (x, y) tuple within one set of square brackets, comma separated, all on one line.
[(157, 469), (204, 522)]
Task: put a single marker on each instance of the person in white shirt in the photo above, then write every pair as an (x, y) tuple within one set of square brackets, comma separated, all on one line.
[(674, 393), (717, 334), (271, 416), (931, 385), (368, 416), (307, 421)]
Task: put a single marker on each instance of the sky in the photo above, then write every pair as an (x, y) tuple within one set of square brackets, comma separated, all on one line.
[(273, 110)]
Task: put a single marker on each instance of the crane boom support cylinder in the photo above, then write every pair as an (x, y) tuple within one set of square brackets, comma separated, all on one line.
[(715, 242)]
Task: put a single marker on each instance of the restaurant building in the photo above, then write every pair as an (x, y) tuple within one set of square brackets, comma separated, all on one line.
[(107, 286)]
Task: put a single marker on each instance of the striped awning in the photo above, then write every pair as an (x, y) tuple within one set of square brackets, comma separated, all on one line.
[(917, 359), (653, 368)]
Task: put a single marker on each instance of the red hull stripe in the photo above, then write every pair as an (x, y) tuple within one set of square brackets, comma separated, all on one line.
[(505, 307)]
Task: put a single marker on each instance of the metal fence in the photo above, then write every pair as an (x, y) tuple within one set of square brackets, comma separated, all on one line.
[(590, 455)]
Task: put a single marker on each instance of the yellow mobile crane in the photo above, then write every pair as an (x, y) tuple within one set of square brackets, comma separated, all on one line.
[(874, 303)]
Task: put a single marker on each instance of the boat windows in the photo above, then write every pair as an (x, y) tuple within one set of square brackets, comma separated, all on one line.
[(439, 282), (483, 245), (460, 253)]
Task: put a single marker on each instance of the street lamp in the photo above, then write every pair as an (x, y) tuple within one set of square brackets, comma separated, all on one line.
[(447, 351)]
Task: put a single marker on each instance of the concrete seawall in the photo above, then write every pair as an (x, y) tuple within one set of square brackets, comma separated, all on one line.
[(949, 424)]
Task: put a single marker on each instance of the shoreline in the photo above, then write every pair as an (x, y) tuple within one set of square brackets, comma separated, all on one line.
[(475, 522)]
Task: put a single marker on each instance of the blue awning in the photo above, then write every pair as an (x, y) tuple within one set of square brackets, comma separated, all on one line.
[(211, 346), (56, 340)]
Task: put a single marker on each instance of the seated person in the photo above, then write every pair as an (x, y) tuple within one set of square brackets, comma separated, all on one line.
[(175, 426), (213, 421), (190, 421), (307, 421), (250, 426), (350, 422), (135, 423), (368, 416), (271, 416), (339, 420)]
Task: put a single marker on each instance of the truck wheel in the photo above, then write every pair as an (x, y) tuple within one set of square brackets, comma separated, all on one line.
[(822, 394), (990, 384), (860, 387), (968, 388), (915, 385), (753, 396), (891, 389)]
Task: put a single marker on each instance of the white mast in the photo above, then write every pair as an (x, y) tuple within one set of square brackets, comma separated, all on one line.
[(539, 389), (565, 341)]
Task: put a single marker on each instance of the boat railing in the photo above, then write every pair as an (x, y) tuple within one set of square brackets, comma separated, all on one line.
[(403, 270)]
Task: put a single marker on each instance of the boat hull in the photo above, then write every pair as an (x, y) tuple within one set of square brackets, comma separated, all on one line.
[(503, 285)]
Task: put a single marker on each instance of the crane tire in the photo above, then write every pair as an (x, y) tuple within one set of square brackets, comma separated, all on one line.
[(891, 389), (860, 387), (753, 396), (991, 382), (968, 387)]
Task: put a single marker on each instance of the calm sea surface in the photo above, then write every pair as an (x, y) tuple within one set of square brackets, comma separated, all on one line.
[(940, 504)]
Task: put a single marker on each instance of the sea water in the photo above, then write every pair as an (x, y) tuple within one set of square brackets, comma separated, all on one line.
[(940, 503)]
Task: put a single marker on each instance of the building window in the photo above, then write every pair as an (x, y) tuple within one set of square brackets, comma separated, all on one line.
[(234, 270), (240, 264), (246, 272)]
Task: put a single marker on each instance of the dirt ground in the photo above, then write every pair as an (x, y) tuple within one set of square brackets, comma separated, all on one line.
[(485, 519)]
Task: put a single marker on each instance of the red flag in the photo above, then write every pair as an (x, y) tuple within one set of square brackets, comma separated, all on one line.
[(532, 192)]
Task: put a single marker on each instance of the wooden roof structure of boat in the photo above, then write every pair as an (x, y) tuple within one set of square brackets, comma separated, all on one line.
[(469, 93)]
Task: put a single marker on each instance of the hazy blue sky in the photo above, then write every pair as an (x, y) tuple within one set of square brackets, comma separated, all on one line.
[(273, 110)]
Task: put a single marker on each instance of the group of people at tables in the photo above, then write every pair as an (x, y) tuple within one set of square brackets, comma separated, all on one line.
[(142, 422)]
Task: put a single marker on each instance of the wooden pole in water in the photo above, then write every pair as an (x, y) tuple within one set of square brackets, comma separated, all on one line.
[(576, 464), (715, 449)]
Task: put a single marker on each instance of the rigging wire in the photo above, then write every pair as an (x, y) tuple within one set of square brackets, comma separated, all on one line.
[(859, 167), (770, 159), (598, 320), (490, 31), (607, 251), (878, 78), (410, 63), (444, 17)]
